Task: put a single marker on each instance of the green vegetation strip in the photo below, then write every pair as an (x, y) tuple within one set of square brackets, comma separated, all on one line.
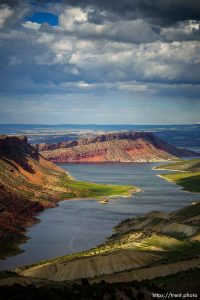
[(192, 165), (189, 181), (187, 174), (87, 189)]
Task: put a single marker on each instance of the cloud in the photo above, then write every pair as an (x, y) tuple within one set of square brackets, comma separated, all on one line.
[(183, 31), (10, 3), (31, 25), (79, 22), (11, 14), (102, 49), (72, 16), (44, 54), (5, 13), (160, 12)]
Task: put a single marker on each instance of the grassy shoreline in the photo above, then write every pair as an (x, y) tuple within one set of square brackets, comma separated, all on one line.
[(149, 237), (79, 189), (68, 189), (186, 173), (189, 182)]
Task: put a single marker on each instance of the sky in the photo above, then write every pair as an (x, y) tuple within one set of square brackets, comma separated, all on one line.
[(100, 62)]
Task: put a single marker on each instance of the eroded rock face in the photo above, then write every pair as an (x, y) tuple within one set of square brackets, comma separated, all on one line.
[(27, 185), (116, 147)]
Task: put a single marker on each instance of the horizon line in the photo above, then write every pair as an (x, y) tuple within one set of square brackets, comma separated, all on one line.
[(93, 124)]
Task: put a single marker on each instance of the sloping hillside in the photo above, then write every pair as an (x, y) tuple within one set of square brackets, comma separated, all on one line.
[(29, 183), (192, 165), (186, 173), (118, 147), (151, 245)]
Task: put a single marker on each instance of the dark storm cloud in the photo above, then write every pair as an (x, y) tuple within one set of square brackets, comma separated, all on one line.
[(160, 11), (163, 12), (9, 2)]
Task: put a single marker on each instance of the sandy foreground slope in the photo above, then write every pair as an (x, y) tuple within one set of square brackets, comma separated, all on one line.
[(155, 244), (91, 266)]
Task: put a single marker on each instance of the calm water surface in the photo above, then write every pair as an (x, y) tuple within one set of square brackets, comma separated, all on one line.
[(78, 225)]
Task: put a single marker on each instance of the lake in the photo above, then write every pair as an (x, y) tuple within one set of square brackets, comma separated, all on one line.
[(77, 225)]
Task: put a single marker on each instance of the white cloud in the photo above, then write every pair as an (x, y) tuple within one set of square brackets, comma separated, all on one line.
[(5, 13), (103, 59), (76, 21), (72, 16), (183, 31), (31, 25)]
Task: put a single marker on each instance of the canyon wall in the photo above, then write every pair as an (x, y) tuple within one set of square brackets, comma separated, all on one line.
[(115, 147)]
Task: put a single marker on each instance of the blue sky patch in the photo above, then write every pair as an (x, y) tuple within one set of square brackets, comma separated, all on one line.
[(43, 17)]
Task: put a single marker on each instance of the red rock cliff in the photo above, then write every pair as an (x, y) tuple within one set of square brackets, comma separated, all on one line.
[(28, 184), (115, 147)]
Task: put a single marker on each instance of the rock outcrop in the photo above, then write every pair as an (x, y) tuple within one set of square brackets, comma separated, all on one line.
[(28, 184), (116, 147)]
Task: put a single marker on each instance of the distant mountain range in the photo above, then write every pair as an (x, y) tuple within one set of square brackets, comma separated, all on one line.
[(115, 147), (178, 135)]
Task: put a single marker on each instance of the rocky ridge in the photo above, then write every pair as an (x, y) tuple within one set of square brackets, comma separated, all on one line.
[(115, 147), (28, 184)]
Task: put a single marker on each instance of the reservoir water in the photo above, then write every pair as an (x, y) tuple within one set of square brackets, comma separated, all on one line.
[(77, 225)]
